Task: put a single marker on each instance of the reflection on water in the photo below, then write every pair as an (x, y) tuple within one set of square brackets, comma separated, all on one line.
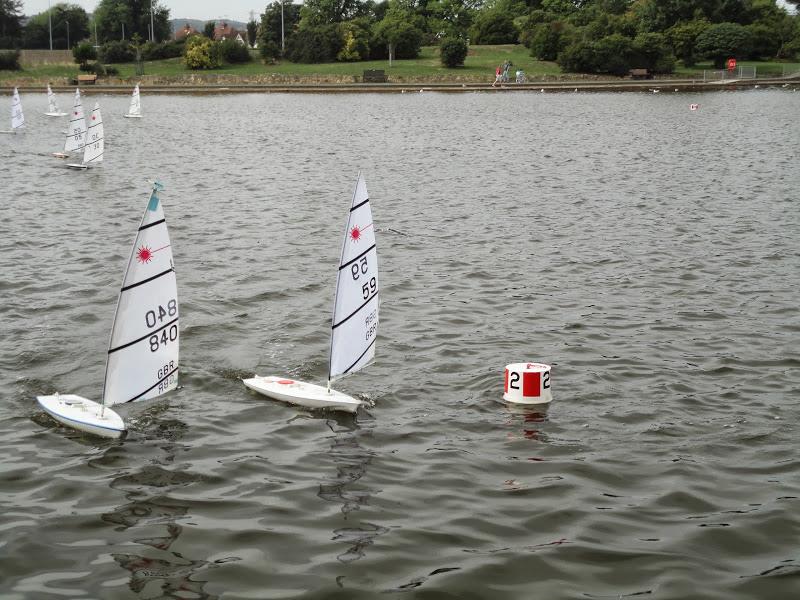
[(351, 460), (165, 574)]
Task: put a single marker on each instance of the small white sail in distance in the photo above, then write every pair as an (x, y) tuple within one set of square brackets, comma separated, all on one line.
[(135, 109), (52, 104), (95, 144), (143, 347), (17, 118), (76, 131), (354, 325)]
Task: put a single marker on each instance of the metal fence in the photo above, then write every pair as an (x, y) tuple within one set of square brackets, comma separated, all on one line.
[(731, 74)]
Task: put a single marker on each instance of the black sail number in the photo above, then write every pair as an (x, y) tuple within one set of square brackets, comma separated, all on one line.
[(167, 335), (369, 288), (156, 316), (357, 269)]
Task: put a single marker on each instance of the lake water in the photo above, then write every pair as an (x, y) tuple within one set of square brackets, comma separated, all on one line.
[(648, 252)]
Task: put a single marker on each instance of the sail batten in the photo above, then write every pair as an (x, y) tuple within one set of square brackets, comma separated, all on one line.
[(354, 325)]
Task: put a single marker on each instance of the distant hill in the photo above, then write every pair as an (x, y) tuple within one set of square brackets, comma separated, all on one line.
[(199, 24)]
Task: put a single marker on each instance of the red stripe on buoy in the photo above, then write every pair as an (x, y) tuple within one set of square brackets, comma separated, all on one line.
[(531, 384), (505, 390)]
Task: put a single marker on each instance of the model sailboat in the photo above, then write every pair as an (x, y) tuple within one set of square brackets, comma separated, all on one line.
[(143, 350), (93, 150), (76, 132), (355, 317), (135, 109), (17, 118), (52, 105)]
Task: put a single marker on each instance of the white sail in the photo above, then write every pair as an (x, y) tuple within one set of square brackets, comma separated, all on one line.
[(355, 309), (52, 103), (93, 150), (17, 118), (143, 352), (76, 132), (135, 109)]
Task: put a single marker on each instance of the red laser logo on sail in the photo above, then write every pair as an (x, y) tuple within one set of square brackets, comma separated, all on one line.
[(356, 232), (145, 255)]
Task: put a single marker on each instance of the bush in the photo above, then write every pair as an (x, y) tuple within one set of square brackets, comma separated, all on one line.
[(95, 67), (614, 54), (405, 37), (314, 44), (355, 40), (547, 40), (163, 50), (202, 53), (234, 52), (269, 50), (111, 70), (9, 60), (118, 51), (453, 51), (84, 52)]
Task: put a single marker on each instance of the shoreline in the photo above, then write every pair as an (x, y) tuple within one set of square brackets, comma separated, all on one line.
[(167, 86)]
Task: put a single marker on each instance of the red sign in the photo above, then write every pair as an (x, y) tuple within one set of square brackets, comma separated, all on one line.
[(731, 64)]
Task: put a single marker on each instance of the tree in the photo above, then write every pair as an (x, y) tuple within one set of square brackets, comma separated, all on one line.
[(683, 38), (70, 24), (208, 29), (10, 22), (453, 51), (320, 12), (112, 17), (269, 37), (252, 32), (493, 26), (399, 31), (548, 39), (722, 41)]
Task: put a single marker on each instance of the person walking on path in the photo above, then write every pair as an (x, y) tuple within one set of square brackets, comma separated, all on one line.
[(506, 66), (498, 76)]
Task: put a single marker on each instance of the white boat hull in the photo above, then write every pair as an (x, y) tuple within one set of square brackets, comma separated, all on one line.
[(55, 114), (132, 116), (60, 154), (83, 415), (302, 394), (79, 167)]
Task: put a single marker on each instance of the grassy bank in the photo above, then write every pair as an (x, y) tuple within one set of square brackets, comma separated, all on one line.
[(479, 67)]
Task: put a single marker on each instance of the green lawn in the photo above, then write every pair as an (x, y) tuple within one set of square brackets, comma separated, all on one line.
[(479, 66)]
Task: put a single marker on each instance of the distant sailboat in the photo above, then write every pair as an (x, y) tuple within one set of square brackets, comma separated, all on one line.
[(93, 150), (76, 132), (355, 317), (17, 118), (143, 349), (52, 105), (135, 109)]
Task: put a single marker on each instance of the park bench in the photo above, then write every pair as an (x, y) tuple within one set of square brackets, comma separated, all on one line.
[(92, 78), (640, 74), (374, 76)]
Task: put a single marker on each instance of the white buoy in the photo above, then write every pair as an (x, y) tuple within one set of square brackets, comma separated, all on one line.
[(527, 383), (694, 106)]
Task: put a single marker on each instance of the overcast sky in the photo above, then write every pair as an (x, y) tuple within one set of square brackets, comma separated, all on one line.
[(237, 10)]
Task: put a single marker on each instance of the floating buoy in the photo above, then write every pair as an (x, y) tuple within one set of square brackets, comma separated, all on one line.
[(694, 106), (527, 383)]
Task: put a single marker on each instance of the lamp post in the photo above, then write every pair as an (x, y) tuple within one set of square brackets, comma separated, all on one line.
[(282, 37), (152, 28), (67, 22), (50, 23)]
